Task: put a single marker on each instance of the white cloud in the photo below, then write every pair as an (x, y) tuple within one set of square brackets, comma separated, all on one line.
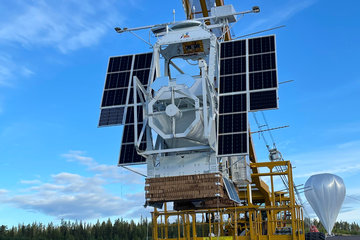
[(66, 26), (279, 15), (9, 70), (30, 182), (111, 173), (333, 170), (3, 191), (77, 156), (72, 196), (339, 159)]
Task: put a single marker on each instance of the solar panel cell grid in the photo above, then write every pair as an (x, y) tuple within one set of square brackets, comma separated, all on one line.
[(263, 100), (232, 144), (232, 103), (262, 62), (232, 123), (231, 190), (233, 83), (262, 80), (142, 75), (233, 49), (118, 85), (114, 97), (117, 80), (111, 116), (143, 61), (233, 65), (245, 66), (122, 63), (261, 45), (130, 115), (128, 155)]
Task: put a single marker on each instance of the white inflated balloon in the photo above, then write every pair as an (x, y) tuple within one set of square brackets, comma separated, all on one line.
[(326, 195)]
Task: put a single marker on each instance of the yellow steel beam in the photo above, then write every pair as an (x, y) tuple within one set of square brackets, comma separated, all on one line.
[(269, 164), (204, 8), (219, 2), (187, 9), (263, 187), (256, 195), (269, 174)]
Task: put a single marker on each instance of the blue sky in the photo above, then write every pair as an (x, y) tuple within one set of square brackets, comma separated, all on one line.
[(54, 161)]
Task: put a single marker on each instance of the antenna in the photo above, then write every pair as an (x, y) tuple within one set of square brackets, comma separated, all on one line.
[(174, 15), (266, 30)]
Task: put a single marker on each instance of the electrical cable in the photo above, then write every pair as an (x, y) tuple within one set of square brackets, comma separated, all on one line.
[(283, 178)]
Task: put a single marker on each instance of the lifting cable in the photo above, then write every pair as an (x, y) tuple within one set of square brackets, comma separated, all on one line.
[(278, 168)]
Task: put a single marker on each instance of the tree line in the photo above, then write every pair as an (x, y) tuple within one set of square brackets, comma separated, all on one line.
[(340, 228), (106, 230), (117, 230)]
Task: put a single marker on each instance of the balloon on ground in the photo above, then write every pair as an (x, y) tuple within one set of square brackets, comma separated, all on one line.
[(326, 195)]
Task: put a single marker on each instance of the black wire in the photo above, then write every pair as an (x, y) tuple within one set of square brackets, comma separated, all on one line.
[(261, 133), (284, 179), (267, 125)]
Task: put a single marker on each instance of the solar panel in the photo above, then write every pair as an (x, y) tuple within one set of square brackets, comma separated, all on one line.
[(261, 80), (117, 104), (232, 144), (233, 83), (232, 103), (231, 190), (111, 116), (232, 65), (233, 123), (233, 49), (262, 44), (118, 90), (247, 82), (262, 73), (128, 153), (263, 100)]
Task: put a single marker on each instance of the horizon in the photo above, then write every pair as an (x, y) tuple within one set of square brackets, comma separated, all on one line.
[(56, 164)]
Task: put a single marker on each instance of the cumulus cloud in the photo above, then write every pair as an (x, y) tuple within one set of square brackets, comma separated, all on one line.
[(110, 172), (73, 196)]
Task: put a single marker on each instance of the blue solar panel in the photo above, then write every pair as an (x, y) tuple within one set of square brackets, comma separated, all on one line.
[(118, 91), (118, 100), (247, 82), (231, 190)]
